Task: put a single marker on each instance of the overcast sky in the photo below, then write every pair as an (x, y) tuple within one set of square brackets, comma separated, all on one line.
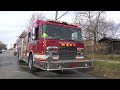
[(13, 22)]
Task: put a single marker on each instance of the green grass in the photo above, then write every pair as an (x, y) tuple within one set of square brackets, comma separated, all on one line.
[(106, 69)]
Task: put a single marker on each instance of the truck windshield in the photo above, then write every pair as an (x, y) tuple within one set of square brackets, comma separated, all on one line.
[(62, 32)]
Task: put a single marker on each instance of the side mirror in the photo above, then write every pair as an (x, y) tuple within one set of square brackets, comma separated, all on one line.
[(33, 37)]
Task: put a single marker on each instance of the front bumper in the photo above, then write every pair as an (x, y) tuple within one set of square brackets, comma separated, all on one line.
[(68, 64)]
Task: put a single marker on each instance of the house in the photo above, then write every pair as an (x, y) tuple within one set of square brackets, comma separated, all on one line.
[(109, 45)]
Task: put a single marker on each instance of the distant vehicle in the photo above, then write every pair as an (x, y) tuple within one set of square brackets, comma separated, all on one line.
[(0, 50), (3, 50)]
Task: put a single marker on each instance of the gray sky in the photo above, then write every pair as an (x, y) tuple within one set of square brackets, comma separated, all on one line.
[(13, 22)]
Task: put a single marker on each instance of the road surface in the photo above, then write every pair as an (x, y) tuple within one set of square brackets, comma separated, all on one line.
[(11, 69)]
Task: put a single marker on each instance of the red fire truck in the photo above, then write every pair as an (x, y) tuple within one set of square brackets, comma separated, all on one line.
[(52, 45)]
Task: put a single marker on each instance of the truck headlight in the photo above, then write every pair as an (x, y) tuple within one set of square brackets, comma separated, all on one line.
[(80, 51), (52, 49), (49, 57)]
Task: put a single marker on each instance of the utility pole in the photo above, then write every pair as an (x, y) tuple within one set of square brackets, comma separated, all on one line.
[(56, 14)]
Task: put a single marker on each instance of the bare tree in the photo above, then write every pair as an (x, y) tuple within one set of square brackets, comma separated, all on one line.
[(107, 28), (2, 45), (89, 21), (36, 16), (112, 29)]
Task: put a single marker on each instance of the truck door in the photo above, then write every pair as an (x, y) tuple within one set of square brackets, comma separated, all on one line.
[(36, 37)]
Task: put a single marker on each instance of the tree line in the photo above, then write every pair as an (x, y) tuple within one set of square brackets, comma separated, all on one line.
[(3, 46), (95, 26)]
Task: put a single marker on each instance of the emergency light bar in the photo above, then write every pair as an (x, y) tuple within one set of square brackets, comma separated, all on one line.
[(57, 21), (62, 22)]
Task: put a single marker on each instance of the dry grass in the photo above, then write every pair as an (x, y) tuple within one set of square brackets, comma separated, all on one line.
[(104, 57), (106, 69)]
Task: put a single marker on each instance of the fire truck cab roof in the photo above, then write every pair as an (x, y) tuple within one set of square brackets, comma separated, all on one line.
[(57, 22)]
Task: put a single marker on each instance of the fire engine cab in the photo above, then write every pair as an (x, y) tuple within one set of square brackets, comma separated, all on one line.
[(52, 45)]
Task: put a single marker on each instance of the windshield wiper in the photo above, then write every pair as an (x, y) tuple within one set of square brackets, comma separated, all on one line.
[(58, 38), (72, 40), (55, 38)]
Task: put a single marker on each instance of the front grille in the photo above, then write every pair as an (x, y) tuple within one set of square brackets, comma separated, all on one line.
[(67, 53)]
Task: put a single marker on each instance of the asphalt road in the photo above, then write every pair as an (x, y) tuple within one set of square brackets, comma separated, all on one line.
[(11, 69)]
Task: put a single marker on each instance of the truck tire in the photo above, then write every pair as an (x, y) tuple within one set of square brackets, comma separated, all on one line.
[(30, 64), (15, 53), (84, 70)]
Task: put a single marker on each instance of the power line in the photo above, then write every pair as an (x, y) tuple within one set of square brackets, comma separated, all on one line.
[(62, 15)]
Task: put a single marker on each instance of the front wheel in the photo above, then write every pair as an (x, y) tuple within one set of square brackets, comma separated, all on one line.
[(30, 64)]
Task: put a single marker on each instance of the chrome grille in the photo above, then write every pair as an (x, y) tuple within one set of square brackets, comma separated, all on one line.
[(67, 53)]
